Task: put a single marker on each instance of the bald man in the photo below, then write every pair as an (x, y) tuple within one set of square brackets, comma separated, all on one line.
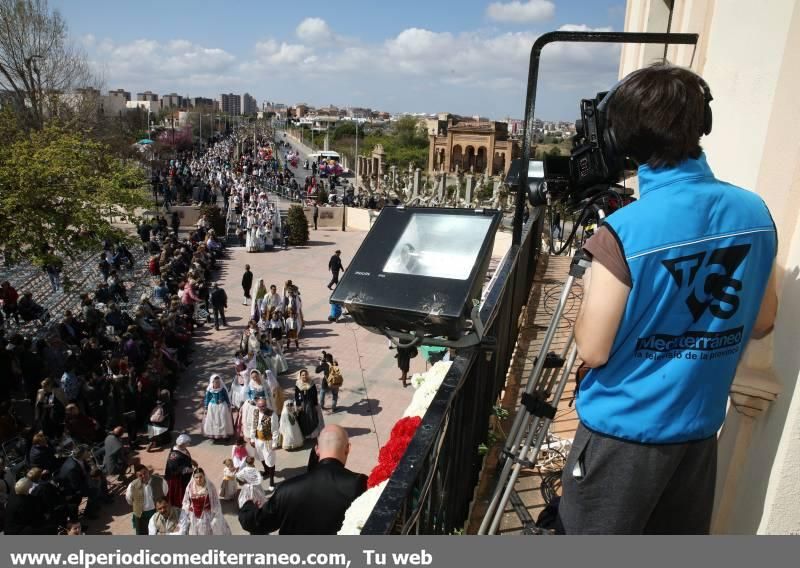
[(313, 503)]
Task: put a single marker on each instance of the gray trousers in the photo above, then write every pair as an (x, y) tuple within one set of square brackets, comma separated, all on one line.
[(612, 486)]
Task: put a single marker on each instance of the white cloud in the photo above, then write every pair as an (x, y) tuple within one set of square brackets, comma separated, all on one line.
[(472, 72), (314, 30), (271, 52), (521, 12), (161, 65)]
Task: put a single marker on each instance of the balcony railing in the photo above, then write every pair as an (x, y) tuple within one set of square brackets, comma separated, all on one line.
[(432, 488)]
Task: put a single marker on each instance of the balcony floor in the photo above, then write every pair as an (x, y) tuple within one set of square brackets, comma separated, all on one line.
[(551, 274)]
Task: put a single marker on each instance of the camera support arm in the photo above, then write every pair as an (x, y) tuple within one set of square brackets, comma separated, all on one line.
[(533, 78)]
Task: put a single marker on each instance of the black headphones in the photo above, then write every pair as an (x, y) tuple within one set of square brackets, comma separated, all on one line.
[(615, 155)]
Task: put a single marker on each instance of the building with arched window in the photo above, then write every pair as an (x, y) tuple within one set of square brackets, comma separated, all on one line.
[(472, 147)]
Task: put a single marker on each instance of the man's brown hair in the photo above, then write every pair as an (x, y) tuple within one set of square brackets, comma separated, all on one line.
[(658, 115)]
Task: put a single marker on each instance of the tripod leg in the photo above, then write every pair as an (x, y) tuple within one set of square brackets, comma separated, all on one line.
[(535, 376), (541, 432), (536, 380)]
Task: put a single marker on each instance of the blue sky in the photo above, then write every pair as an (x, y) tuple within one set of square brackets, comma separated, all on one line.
[(463, 56)]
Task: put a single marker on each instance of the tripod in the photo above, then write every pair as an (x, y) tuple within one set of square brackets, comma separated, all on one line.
[(539, 402)]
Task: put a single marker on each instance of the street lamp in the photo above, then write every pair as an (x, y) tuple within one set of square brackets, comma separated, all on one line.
[(357, 160)]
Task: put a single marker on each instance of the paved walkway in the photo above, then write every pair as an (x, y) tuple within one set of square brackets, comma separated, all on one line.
[(370, 401)]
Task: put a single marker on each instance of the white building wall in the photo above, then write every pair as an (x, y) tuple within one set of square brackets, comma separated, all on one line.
[(750, 55)]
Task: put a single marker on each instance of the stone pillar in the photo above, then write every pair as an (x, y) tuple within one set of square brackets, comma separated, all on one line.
[(470, 188), (442, 187), (752, 392), (393, 178), (417, 180), (431, 153)]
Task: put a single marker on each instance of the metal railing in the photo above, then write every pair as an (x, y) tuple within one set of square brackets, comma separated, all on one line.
[(432, 488)]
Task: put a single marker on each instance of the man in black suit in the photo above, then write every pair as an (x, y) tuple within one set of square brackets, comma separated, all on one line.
[(315, 502), (73, 477), (219, 303)]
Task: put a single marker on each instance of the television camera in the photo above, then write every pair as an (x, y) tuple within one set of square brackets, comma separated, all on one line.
[(590, 181)]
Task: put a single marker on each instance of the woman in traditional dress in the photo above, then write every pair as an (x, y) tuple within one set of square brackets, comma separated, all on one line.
[(291, 435), (238, 390), (266, 228), (261, 292), (218, 421), (250, 342), (255, 389), (307, 402), (252, 237), (266, 236), (281, 365), (201, 503), (275, 399), (178, 471), (250, 480)]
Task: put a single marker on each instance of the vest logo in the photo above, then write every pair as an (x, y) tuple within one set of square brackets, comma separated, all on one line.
[(708, 279)]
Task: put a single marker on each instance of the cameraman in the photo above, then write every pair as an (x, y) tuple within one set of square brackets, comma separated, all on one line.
[(680, 281)]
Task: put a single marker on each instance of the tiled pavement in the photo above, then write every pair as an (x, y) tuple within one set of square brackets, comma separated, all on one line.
[(370, 401)]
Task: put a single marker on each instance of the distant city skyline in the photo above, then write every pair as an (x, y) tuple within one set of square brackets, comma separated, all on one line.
[(415, 57)]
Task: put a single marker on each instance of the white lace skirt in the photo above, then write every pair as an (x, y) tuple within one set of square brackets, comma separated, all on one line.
[(218, 422)]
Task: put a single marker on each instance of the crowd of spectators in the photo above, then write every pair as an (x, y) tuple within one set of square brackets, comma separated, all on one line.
[(78, 395)]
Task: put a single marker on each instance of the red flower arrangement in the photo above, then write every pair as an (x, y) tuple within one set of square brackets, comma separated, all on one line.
[(392, 452)]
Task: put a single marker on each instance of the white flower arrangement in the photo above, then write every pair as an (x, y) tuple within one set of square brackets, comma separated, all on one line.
[(426, 385), (360, 510)]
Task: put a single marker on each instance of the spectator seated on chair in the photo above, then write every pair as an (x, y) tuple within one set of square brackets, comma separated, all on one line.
[(80, 427)]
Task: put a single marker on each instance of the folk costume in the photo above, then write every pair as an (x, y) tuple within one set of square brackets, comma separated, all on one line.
[(178, 471), (176, 522), (264, 441), (291, 435), (251, 490), (218, 420), (204, 510), (142, 498)]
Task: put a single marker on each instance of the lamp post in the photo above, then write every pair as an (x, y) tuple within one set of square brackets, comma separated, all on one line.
[(357, 160)]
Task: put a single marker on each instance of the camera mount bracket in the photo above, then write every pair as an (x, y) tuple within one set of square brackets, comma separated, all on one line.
[(475, 336)]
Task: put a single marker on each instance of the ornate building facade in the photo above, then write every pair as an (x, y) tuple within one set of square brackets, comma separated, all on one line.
[(472, 147)]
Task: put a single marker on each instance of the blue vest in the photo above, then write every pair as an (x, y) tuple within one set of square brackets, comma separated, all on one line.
[(700, 253)]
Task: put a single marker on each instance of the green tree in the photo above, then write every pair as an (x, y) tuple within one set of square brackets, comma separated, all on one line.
[(59, 191), (298, 226), (345, 129)]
